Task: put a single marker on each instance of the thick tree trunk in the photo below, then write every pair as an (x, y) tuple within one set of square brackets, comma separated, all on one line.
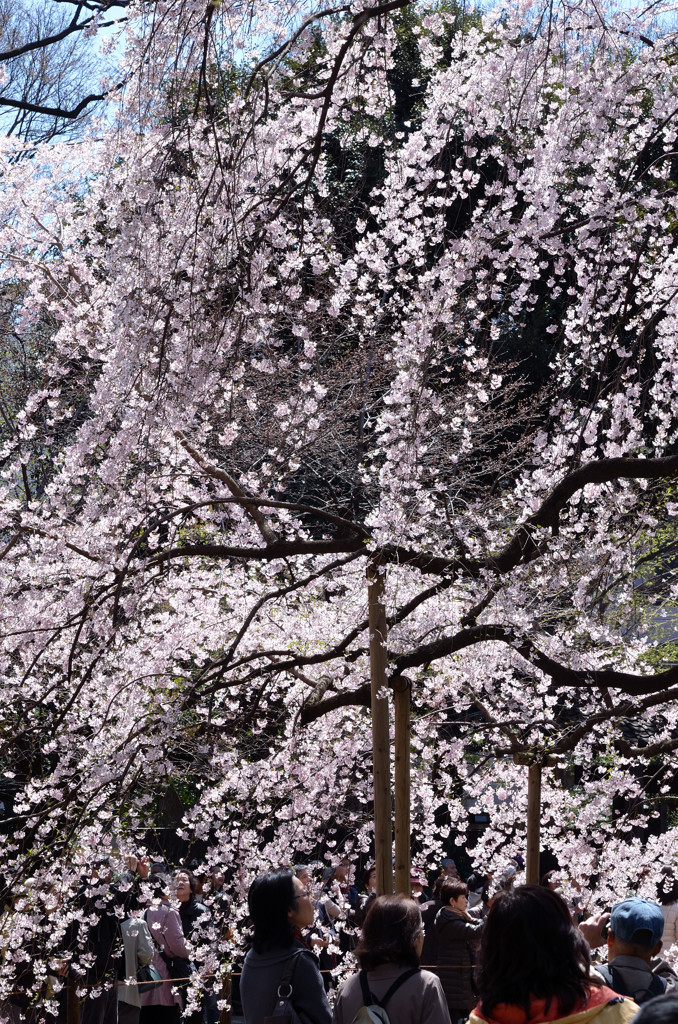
[(401, 697), (383, 846)]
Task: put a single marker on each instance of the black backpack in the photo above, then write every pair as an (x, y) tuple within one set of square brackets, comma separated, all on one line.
[(613, 978)]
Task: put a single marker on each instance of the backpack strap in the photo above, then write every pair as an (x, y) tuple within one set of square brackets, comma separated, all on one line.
[(368, 996), (606, 973), (365, 988), (657, 986), (288, 975), (613, 978), (397, 983)]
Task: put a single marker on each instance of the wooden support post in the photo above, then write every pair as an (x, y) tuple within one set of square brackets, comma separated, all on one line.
[(226, 1015), (533, 823), (381, 752), (535, 763), (401, 699), (72, 1002)]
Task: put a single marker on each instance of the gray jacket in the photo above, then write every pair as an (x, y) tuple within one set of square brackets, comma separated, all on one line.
[(139, 948), (420, 1000), (260, 979)]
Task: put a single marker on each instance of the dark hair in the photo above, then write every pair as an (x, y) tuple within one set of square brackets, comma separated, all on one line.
[(269, 899), (192, 880), (530, 948), (452, 890), (158, 886), (479, 883), (667, 888), (549, 876), (367, 872), (437, 886), (390, 931), (661, 1010)]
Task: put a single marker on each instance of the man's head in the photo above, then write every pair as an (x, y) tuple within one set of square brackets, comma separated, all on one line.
[(635, 929), (662, 1010), (303, 874), (342, 869)]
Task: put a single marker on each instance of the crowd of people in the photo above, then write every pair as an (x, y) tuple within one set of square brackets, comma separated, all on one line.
[(129, 951), (481, 950), (522, 958)]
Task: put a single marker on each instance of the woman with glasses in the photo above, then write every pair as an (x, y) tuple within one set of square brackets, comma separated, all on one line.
[(280, 907), (388, 954)]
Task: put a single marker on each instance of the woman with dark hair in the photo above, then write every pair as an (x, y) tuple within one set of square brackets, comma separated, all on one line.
[(193, 915), (667, 894), (429, 912), (191, 911), (280, 906), (388, 954), (535, 966), (458, 935)]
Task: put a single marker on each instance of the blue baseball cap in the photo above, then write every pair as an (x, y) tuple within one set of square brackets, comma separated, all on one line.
[(638, 921)]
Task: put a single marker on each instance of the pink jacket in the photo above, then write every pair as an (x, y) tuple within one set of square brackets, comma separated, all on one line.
[(164, 925)]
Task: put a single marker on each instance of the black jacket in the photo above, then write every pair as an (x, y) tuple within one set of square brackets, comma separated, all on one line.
[(457, 936)]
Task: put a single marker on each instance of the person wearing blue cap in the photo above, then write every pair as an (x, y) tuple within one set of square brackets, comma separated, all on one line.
[(634, 937)]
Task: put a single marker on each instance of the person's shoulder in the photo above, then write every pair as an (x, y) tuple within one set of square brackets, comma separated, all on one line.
[(306, 958), (617, 1011), (607, 1007), (444, 916), (430, 980), (348, 984), (159, 913)]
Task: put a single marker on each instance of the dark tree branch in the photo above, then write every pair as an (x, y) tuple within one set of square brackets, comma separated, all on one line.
[(651, 750), (37, 108), (350, 698), (521, 548), (292, 39), (279, 549), (630, 683), (267, 533), (73, 26)]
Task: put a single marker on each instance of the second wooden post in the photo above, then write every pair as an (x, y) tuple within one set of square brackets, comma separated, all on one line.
[(401, 700), (381, 770)]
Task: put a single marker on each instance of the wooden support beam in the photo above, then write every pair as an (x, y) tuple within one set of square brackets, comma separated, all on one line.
[(533, 823), (381, 744), (401, 699), (72, 1002)]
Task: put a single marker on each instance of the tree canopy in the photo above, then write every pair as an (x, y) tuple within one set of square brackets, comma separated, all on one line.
[(382, 284)]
